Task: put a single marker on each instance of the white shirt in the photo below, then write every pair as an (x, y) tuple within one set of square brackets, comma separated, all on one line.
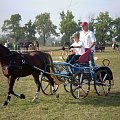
[(79, 51), (88, 38)]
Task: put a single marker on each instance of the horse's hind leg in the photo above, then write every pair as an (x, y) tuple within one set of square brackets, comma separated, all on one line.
[(10, 90), (36, 79)]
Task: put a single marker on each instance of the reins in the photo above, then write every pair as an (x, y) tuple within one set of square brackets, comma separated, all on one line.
[(38, 50)]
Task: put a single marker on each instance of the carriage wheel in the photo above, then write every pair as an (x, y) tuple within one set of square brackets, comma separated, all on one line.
[(102, 83), (66, 85), (80, 85), (46, 86)]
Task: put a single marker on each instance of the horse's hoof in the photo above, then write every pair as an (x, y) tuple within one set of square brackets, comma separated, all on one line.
[(5, 103), (9, 98), (57, 95), (22, 96), (34, 99)]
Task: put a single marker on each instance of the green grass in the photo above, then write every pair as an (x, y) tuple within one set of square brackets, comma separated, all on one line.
[(65, 107)]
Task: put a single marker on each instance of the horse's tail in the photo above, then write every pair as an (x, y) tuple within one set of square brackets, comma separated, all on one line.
[(57, 79)]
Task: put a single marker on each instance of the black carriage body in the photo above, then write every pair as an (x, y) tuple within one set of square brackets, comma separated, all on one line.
[(96, 69)]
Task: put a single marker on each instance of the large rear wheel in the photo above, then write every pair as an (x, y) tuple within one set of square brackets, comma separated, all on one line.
[(80, 85), (102, 83)]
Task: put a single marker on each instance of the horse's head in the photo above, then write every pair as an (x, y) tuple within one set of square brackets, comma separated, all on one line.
[(4, 55)]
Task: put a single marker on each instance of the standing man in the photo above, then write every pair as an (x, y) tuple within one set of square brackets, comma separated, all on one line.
[(89, 40)]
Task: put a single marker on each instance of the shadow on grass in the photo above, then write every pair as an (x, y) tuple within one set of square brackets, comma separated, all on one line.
[(113, 99)]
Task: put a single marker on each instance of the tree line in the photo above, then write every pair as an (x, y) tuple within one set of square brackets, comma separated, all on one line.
[(105, 27)]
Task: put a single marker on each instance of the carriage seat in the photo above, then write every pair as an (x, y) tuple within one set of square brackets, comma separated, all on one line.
[(82, 64), (85, 58)]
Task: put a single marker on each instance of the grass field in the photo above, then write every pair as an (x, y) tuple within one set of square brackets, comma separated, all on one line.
[(65, 107)]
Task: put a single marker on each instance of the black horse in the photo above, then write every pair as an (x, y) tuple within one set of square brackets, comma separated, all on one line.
[(15, 65)]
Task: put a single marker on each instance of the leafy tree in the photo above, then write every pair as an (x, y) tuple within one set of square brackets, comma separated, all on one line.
[(3, 38), (91, 24), (44, 26), (67, 26), (116, 29), (12, 27), (30, 31), (103, 27)]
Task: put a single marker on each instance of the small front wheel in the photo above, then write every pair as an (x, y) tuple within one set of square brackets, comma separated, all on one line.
[(80, 85), (46, 87), (66, 84)]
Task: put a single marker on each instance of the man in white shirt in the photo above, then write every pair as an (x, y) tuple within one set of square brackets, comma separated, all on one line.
[(89, 40), (77, 47)]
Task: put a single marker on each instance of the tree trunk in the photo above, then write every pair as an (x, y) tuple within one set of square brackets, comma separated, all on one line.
[(44, 42)]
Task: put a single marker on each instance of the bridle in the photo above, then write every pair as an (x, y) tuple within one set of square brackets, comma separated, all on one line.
[(12, 55)]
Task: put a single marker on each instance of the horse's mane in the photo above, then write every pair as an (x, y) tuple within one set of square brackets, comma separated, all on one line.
[(4, 48)]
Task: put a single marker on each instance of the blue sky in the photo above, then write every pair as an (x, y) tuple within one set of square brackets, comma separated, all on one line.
[(82, 9)]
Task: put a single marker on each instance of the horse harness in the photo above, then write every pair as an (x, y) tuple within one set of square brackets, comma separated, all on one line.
[(15, 66)]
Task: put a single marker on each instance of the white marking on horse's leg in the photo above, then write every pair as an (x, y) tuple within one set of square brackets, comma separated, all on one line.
[(35, 97)]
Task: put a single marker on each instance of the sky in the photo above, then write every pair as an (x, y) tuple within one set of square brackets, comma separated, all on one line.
[(81, 9)]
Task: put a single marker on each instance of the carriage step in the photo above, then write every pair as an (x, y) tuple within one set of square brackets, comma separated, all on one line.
[(63, 73)]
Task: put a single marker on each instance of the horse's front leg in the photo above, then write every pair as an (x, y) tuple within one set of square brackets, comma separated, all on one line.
[(36, 79), (10, 91)]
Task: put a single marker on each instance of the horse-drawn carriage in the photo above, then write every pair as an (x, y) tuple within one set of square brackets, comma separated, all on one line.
[(76, 78)]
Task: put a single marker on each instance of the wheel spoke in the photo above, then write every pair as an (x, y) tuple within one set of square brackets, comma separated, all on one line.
[(100, 77), (84, 90), (78, 93), (104, 77), (46, 87), (103, 89)]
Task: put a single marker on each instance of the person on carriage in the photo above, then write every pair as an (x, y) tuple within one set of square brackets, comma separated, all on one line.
[(89, 40), (77, 49)]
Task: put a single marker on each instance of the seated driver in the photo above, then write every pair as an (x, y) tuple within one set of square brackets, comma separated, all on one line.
[(77, 47)]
